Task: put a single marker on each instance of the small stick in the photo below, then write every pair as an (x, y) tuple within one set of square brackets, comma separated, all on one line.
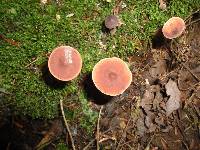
[(66, 124), (186, 67), (97, 134), (123, 133), (192, 22), (86, 147), (189, 17), (10, 41), (148, 145), (31, 63)]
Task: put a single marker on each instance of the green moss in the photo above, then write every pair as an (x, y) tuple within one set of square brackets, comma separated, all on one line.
[(90, 117), (61, 146), (35, 27)]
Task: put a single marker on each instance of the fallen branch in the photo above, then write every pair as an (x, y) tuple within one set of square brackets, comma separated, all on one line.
[(66, 124)]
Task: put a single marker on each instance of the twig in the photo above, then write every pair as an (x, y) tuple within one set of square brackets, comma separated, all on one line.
[(189, 17), (197, 110), (86, 147), (116, 8), (164, 143), (31, 63), (186, 67), (10, 41), (127, 142), (66, 124), (97, 134), (192, 22), (118, 145), (148, 145), (181, 131), (107, 138), (189, 100)]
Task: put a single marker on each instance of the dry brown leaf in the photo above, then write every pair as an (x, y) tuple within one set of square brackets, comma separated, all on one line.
[(158, 69), (173, 102), (55, 131)]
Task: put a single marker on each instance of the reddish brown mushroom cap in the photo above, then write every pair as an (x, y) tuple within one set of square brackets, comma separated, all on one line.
[(173, 28), (111, 76), (65, 63), (112, 22)]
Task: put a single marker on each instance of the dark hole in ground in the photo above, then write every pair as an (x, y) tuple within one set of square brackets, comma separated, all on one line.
[(196, 16), (14, 137), (5, 133), (158, 39), (49, 79), (104, 29), (93, 93), (25, 133)]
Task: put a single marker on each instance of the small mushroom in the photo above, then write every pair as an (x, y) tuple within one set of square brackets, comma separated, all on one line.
[(173, 28), (65, 63), (112, 22), (111, 76)]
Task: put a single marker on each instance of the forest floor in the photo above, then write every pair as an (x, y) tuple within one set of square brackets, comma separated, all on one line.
[(161, 108)]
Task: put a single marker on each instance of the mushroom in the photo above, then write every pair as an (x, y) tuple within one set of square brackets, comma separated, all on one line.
[(111, 76), (173, 28), (112, 22), (65, 63)]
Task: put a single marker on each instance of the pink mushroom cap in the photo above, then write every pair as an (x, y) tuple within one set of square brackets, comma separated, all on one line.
[(111, 76), (173, 28), (65, 63)]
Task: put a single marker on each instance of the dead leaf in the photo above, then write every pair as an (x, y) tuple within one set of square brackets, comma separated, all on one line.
[(173, 102), (141, 129), (158, 69), (54, 132), (149, 123), (147, 98)]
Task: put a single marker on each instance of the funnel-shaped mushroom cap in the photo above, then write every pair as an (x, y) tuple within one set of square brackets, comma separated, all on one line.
[(65, 63), (173, 28), (111, 76)]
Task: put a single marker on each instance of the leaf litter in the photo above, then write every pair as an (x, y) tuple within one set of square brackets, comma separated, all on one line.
[(164, 99)]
